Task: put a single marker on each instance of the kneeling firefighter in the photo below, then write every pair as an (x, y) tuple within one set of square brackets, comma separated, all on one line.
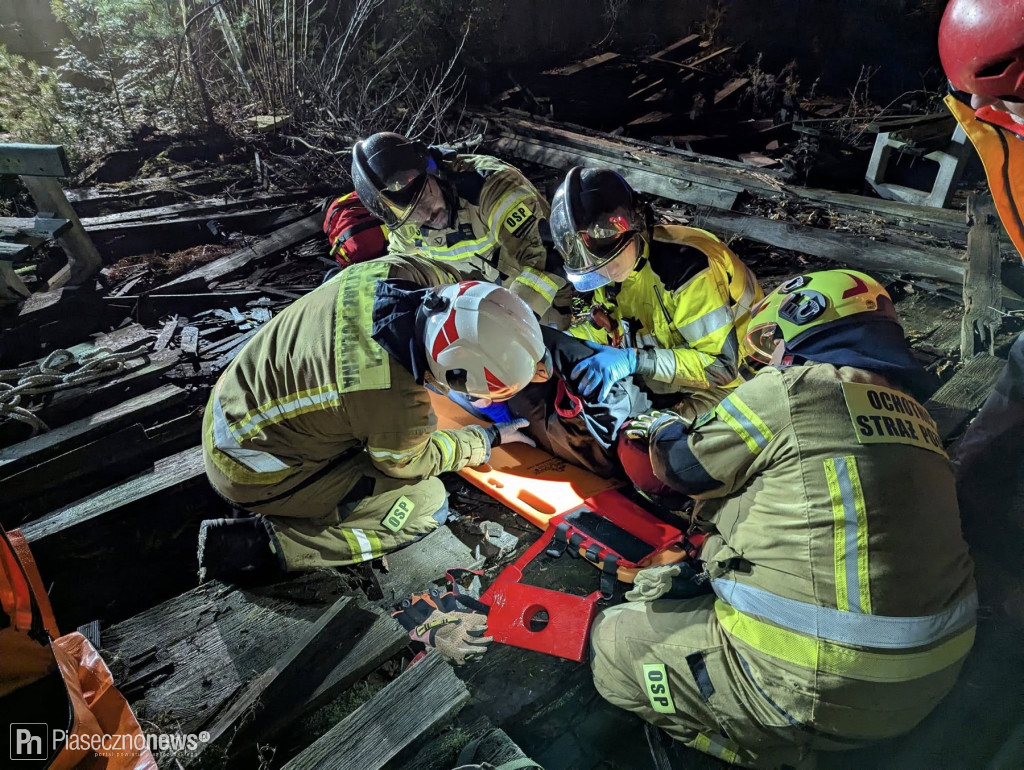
[(842, 600), (670, 303), (322, 425)]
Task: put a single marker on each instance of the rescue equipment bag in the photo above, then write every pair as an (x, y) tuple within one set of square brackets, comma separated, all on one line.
[(354, 233)]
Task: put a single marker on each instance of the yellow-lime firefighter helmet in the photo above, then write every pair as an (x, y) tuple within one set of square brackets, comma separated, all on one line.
[(808, 304)]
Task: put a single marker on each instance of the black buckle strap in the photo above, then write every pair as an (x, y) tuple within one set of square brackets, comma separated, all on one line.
[(609, 576), (559, 540)]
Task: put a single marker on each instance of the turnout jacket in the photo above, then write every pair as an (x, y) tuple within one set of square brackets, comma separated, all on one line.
[(495, 233), (314, 387), (688, 305), (1002, 153), (842, 579)]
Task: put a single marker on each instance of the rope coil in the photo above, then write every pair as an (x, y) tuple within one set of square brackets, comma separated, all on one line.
[(50, 375)]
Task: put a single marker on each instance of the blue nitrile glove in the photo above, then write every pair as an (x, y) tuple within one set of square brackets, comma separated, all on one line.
[(607, 366), (508, 433)]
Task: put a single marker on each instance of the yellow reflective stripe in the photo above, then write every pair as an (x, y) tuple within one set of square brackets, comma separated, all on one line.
[(234, 471), (397, 455), (708, 745), (538, 282), (821, 655), (363, 544), (745, 422), (850, 527), (505, 204), (446, 446), (284, 408)]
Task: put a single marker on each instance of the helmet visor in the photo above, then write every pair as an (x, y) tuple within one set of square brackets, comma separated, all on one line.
[(760, 342), (402, 200), (613, 269)]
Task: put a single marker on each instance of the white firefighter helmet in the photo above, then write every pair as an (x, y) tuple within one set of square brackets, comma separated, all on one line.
[(482, 340)]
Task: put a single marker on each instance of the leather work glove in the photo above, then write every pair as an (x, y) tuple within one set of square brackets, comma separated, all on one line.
[(668, 581), (643, 426), (608, 365), (437, 622), (508, 433)]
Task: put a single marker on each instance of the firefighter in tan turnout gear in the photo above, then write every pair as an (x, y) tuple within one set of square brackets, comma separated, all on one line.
[(475, 213), (837, 600), (670, 303), (322, 426)]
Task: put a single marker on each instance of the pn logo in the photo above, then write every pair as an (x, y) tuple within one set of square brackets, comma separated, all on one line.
[(29, 740)]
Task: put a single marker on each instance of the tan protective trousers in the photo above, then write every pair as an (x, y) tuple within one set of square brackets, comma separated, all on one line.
[(339, 518), (715, 708)]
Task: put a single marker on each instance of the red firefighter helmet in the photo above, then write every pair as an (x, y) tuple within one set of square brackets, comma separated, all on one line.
[(981, 43)]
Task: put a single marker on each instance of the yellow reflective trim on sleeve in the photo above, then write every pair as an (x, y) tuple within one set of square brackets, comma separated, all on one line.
[(538, 282), (745, 422), (233, 470), (708, 745), (656, 682), (820, 655), (850, 535), (447, 447), (284, 408)]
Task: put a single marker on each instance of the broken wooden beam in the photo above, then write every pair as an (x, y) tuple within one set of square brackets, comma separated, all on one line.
[(215, 638), (274, 244), (281, 689), (954, 404), (982, 284), (421, 698), (561, 147)]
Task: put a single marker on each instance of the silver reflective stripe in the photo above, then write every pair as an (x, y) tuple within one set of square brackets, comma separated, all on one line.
[(365, 546), (708, 323), (759, 438), (225, 441), (849, 535), (877, 631), (256, 422), (457, 252)]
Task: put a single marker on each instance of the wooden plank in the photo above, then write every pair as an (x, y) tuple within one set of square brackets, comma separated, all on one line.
[(593, 61), (678, 44), (280, 690), (417, 566), (421, 698), (649, 180), (382, 641), (286, 237), (857, 251), (543, 138), (37, 227), (202, 208), (34, 160), (982, 285), (14, 251), (75, 474), (214, 639), (710, 56), (128, 547), (730, 88), (953, 405)]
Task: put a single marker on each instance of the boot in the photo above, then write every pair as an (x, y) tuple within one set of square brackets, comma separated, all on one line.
[(237, 551)]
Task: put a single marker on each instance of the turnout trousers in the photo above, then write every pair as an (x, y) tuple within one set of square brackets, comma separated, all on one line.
[(345, 514), (711, 705)]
